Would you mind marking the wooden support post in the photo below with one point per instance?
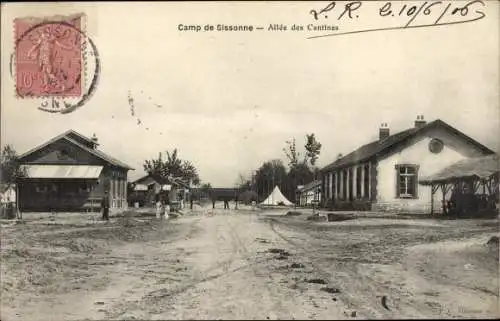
(432, 199)
(443, 201)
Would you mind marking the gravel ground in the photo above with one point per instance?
(220, 264)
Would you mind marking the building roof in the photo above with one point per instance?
(310, 185)
(478, 167)
(148, 180)
(95, 152)
(63, 171)
(380, 147)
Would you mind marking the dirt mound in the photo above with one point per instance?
(316, 281)
(493, 241)
(297, 266)
(336, 217)
(283, 255)
(317, 218)
(330, 290)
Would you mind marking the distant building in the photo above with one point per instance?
(7, 194)
(310, 193)
(69, 173)
(146, 188)
(384, 174)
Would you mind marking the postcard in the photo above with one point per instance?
(249, 160)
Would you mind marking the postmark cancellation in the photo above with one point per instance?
(49, 56)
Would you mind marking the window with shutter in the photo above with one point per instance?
(407, 181)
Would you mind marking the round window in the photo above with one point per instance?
(436, 146)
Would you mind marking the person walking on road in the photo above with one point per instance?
(105, 206)
(166, 208)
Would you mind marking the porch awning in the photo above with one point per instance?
(479, 167)
(63, 171)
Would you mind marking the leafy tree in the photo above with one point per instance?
(313, 148)
(10, 169)
(270, 174)
(171, 166)
(190, 172)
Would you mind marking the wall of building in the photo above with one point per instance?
(112, 178)
(115, 180)
(417, 152)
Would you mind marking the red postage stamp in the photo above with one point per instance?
(48, 55)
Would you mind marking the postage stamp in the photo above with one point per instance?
(48, 56)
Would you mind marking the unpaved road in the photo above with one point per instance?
(242, 265)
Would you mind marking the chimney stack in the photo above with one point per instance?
(94, 140)
(420, 121)
(383, 131)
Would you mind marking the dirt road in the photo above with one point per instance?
(233, 265)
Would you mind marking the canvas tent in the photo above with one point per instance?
(276, 198)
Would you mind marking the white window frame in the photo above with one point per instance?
(407, 176)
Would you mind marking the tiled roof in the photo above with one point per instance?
(377, 147)
(96, 152)
(481, 167)
(311, 185)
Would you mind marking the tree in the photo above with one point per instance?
(205, 190)
(291, 153)
(313, 148)
(270, 174)
(190, 172)
(243, 183)
(11, 171)
(162, 168)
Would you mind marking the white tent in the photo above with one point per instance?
(276, 197)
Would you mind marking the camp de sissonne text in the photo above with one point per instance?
(271, 27)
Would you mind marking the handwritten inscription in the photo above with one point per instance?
(432, 13)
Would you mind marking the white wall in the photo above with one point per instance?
(418, 153)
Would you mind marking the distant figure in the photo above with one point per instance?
(191, 203)
(253, 205)
(105, 206)
(236, 203)
(158, 205)
(166, 209)
(226, 204)
(213, 203)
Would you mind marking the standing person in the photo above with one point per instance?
(158, 205)
(166, 207)
(226, 204)
(213, 203)
(105, 206)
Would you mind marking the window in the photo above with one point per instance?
(84, 188)
(41, 188)
(436, 146)
(407, 181)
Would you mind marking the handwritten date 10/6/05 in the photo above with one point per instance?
(352, 9)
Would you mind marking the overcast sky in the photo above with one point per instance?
(231, 100)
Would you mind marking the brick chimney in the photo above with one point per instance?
(383, 131)
(94, 141)
(420, 121)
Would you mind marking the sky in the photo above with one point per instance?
(230, 100)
